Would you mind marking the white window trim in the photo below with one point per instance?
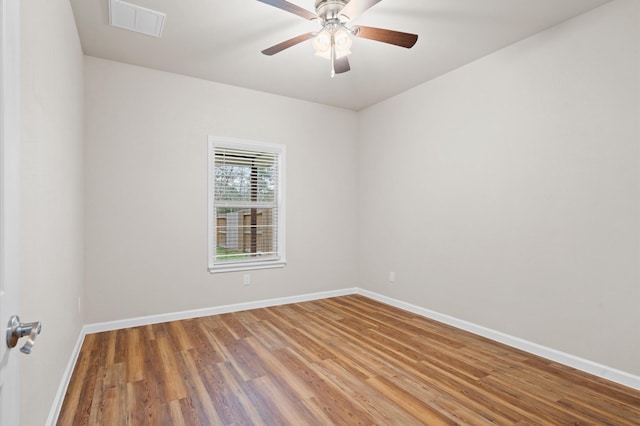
(216, 141)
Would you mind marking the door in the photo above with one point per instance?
(9, 203)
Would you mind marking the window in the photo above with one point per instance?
(246, 205)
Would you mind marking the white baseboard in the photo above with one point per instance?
(217, 310)
(569, 360)
(64, 383)
(578, 363)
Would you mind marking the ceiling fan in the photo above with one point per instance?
(333, 41)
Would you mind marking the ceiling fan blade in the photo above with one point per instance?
(290, 7)
(355, 8)
(287, 44)
(386, 36)
(342, 65)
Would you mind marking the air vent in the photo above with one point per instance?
(135, 18)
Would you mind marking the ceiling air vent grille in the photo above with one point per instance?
(135, 18)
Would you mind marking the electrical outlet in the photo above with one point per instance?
(392, 277)
(246, 280)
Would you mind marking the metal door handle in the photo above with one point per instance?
(17, 330)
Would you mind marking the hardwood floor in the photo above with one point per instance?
(347, 360)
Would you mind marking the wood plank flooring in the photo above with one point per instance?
(346, 361)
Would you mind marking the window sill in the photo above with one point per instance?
(215, 269)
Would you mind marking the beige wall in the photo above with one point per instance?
(506, 193)
(146, 191)
(51, 200)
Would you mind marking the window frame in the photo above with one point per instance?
(240, 265)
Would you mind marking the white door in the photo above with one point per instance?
(9, 203)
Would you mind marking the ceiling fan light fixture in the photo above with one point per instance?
(339, 39)
(343, 43)
(322, 44)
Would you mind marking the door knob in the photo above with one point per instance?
(17, 330)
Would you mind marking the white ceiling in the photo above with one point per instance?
(221, 40)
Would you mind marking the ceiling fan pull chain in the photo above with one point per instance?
(333, 55)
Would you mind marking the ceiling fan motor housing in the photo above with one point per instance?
(329, 10)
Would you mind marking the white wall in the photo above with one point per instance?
(506, 193)
(146, 191)
(51, 200)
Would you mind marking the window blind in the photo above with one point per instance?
(245, 201)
